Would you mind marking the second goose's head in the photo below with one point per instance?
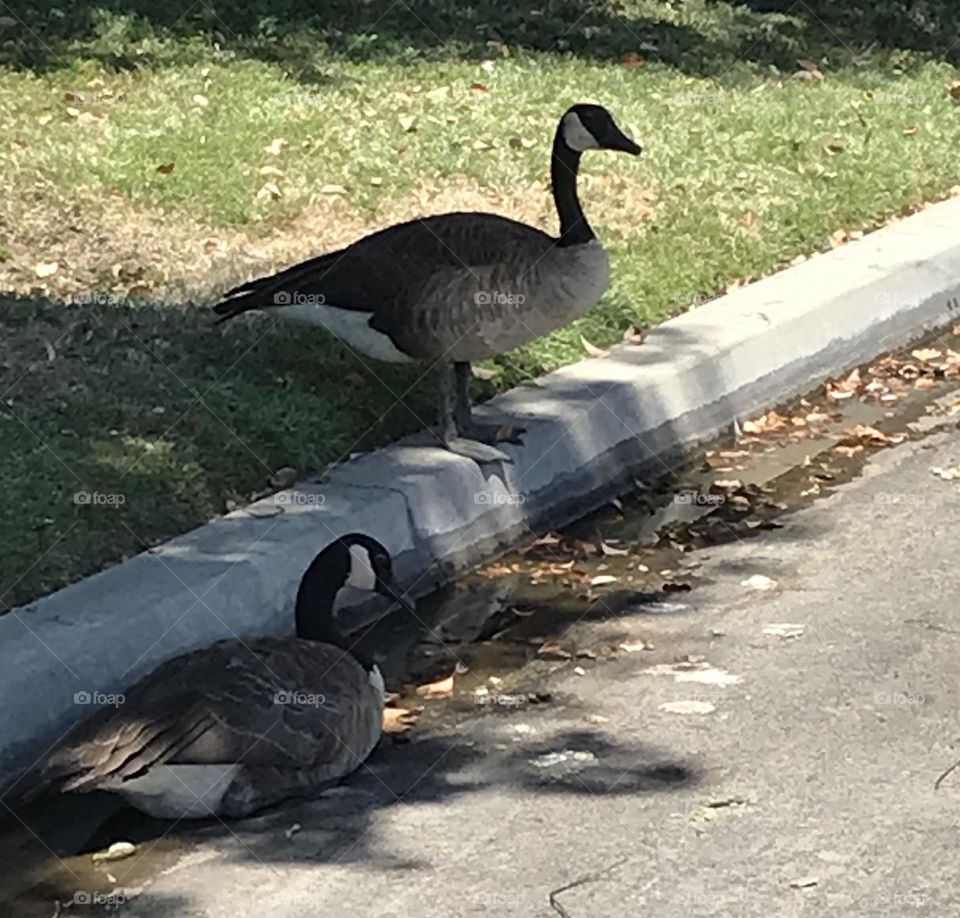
(353, 560)
(591, 127)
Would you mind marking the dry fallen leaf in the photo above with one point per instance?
(750, 221)
(848, 451)
(767, 422)
(949, 474)
(116, 852)
(442, 688)
(332, 189)
(688, 707)
(269, 191)
(784, 630)
(479, 87)
(635, 334)
(844, 388)
(482, 372)
(46, 268)
(603, 579)
(728, 484)
(610, 550)
(592, 349)
(804, 882)
(925, 354)
(634, 646)
(166, 168)
(276, 146)
(870, 436)
(399, 720)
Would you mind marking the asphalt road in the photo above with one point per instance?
(806, 789)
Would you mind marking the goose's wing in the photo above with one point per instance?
(387, 271)
(269, 702)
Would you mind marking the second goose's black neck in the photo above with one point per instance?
(564, 165)
(315, 616)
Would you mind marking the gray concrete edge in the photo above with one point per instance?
(591, 429)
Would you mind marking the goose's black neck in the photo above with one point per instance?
(315, 616)
(564, 165)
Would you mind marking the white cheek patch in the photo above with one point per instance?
(576, 136)
(361, 576)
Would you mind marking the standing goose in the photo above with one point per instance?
(237, 726)
(456, 288)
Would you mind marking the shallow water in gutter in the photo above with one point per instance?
(504, 628)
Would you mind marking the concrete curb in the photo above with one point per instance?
(591, 428)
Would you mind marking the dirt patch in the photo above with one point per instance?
(101, 242)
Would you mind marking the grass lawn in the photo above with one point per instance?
(154, 154)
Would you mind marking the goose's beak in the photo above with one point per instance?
(392, 591)
(619, 141)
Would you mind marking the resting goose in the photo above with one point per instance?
(456, 288)
(239, 725)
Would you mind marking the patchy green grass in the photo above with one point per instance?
(161, 152)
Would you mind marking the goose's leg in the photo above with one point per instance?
(449, 433)
(466, 425)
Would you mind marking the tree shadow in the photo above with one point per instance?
(173, 416)
(308, 42)
(929, 26)
(304, 39)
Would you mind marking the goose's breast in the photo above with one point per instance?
(534, 301)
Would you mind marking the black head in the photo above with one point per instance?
(354, 560)
(591, 127)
